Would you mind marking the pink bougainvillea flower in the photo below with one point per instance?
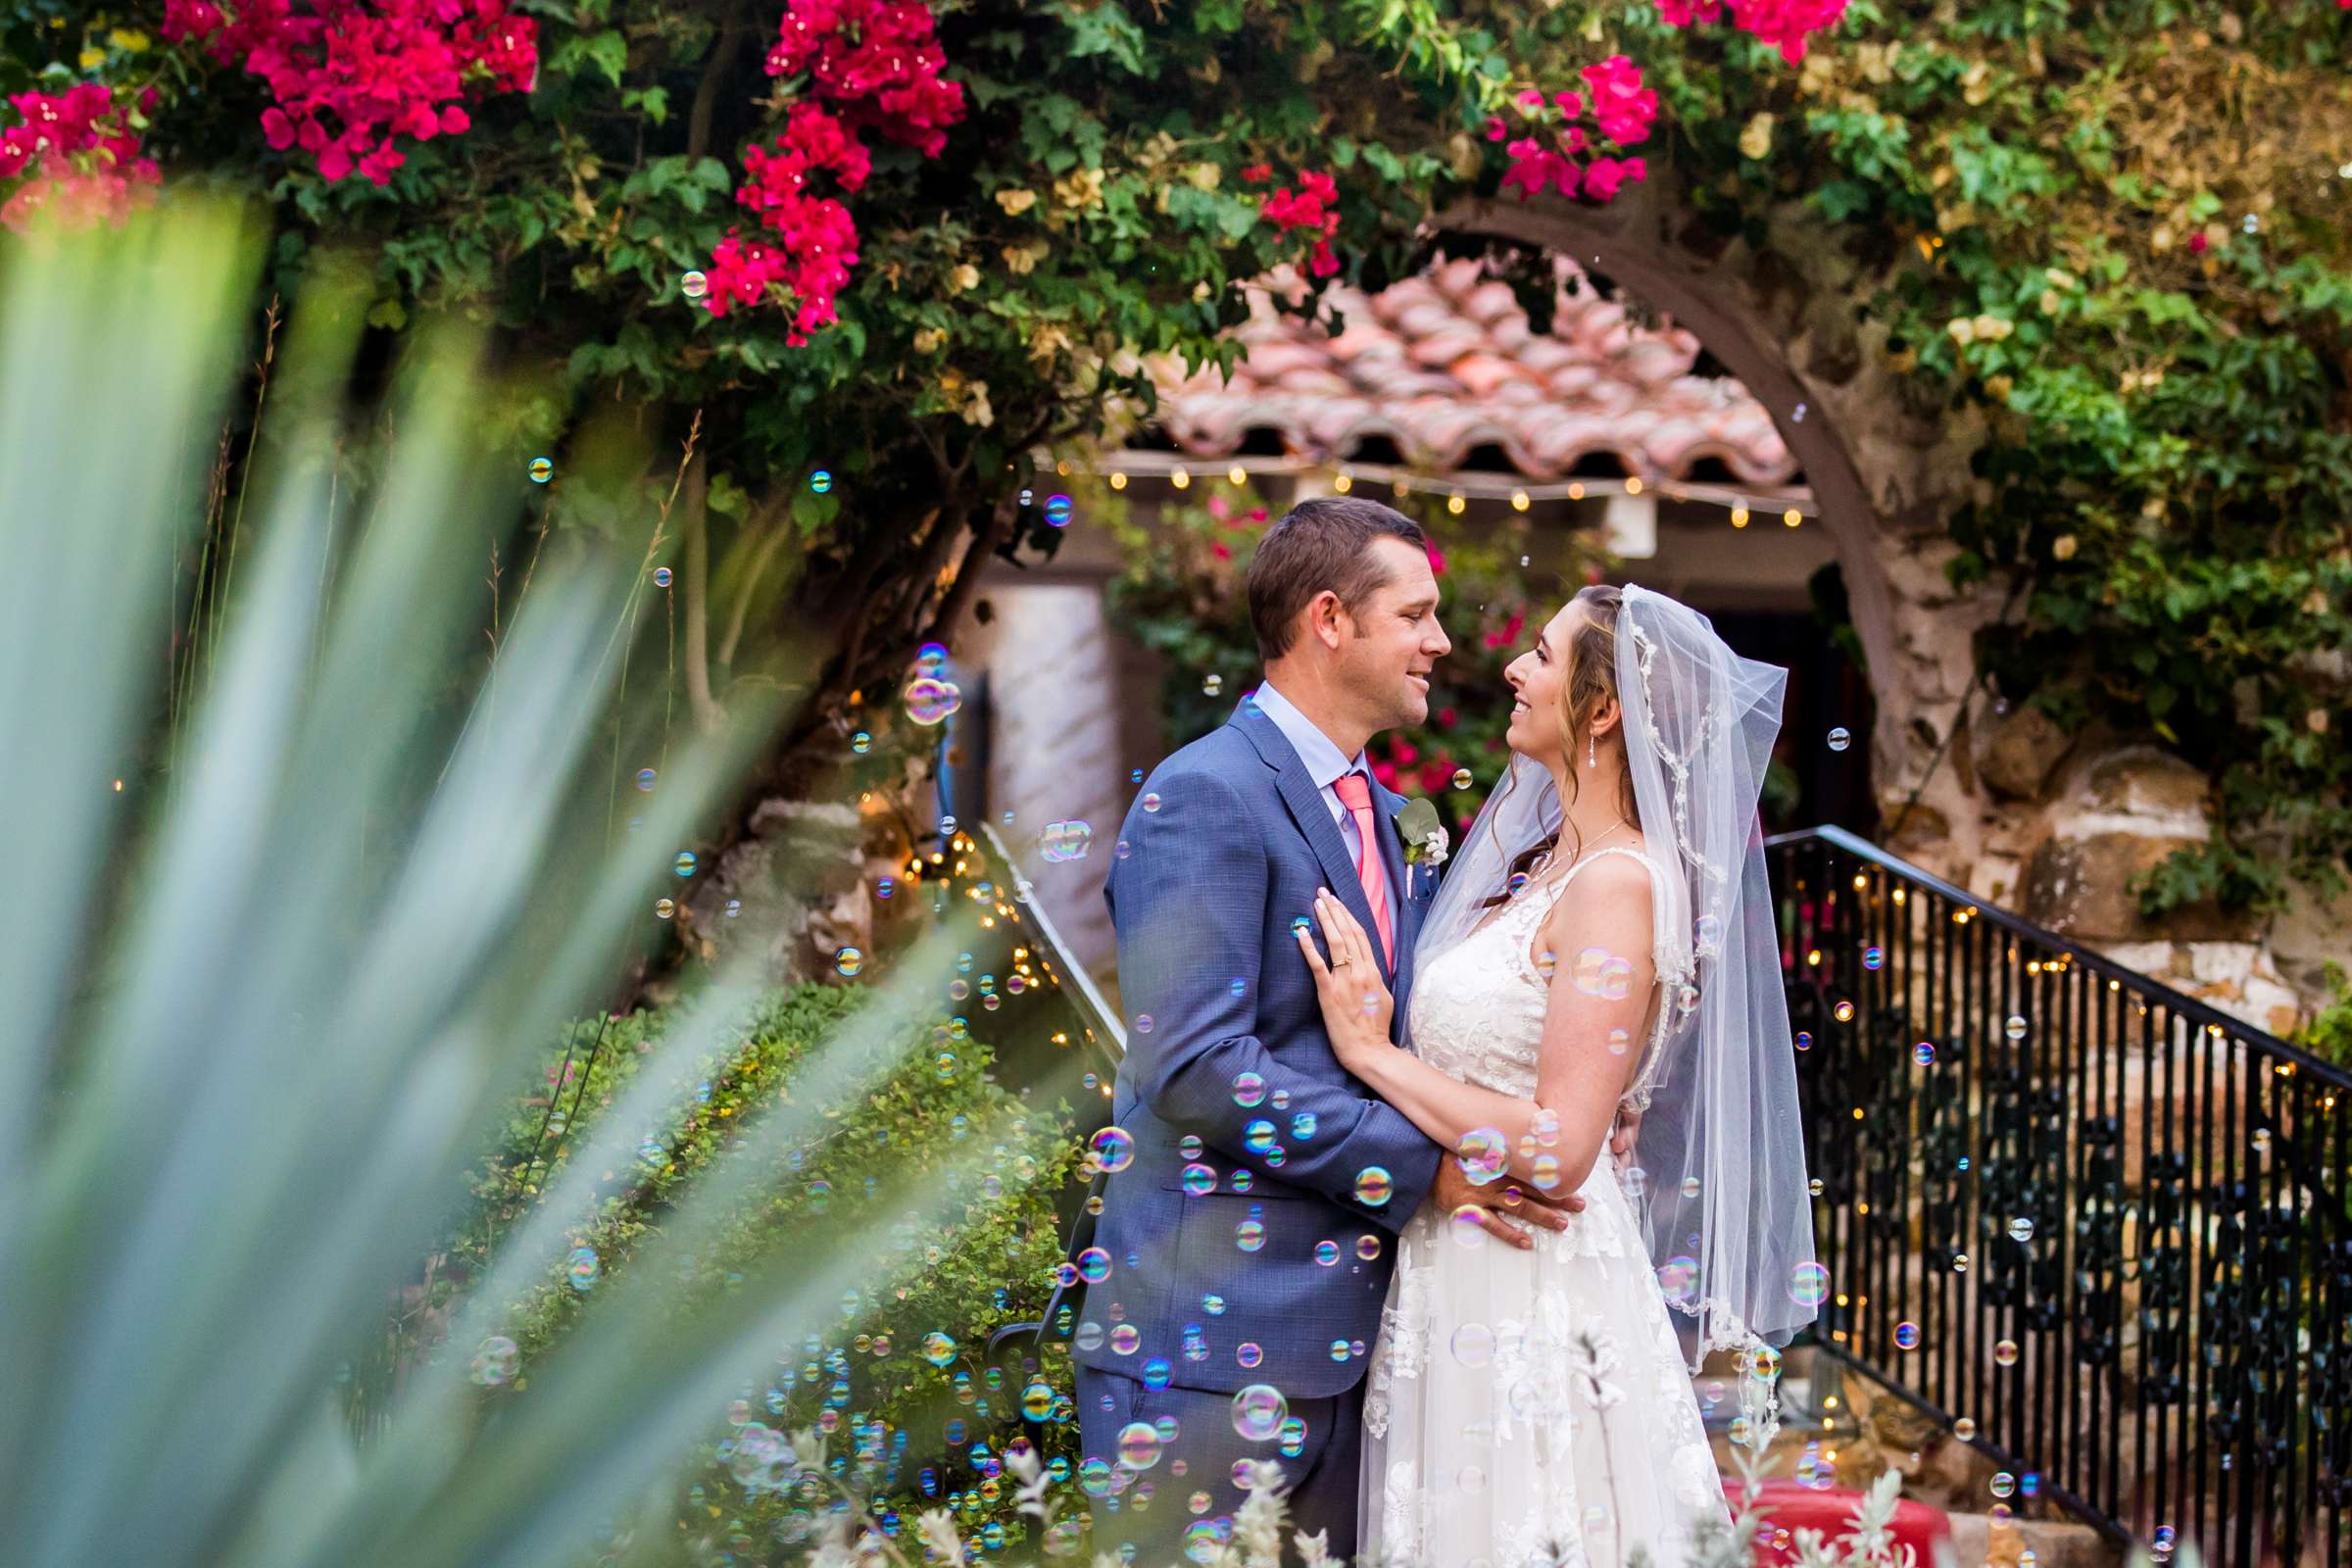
(1604, 175)
(1571, 104)
(1437, 561)
(347, 77)
(1256, 173)
(878, 61)
(1785, 25)
(75, 158)
(1622, 106)
(2196, 242)
(1496, 130)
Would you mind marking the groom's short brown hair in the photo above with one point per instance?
(1324, 542)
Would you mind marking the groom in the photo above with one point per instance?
(1251, 1238)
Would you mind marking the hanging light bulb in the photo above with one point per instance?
(1342, 482)
(1179, 479)
(1518, 500)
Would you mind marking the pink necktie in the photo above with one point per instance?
(1355, 794)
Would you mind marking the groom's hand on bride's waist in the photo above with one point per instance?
(1505, 1209)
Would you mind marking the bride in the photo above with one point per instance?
(1536, 1407)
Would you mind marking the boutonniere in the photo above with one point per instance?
(1423, 835)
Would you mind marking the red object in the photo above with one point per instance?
(1926, 1530)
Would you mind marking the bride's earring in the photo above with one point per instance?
(1592, 749)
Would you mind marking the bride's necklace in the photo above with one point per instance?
(1541, 861)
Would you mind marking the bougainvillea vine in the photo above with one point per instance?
(1544, 157)
(346, 77)
(75, 157)
(876, 67)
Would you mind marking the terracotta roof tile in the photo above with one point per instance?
(1444, 362)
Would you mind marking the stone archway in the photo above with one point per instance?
(1887, 474)
(2001, 802)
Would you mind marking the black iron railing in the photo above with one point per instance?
(2095, 1224)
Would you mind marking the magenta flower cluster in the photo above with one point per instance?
(75, 157)
(347, 77)
(1785, 25)
(1543, 156)
(874, 67)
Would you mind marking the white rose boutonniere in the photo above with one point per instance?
(1423, 835)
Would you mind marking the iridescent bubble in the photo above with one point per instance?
(943, 1065)
(1156, 1372)
(1150, 800)
(1094, 1265)
(1804, 1040)
(1200, 1179)
(1250, 1353)
(1678, 1280)
(1142, 1024)
(849, 961)
(1374, 1186)
(821, 480)
(861, 743)
(1874, 957)
(885, 886)
(1259, 1412)
(1965, 1429)
(495, 1361)
(1248, 1089)
(1765, 1365)
(938, 1348)
(1037, 1400)
(1840, 738)
(1258, 1135)
(1063, 841)
(1809, 1283)
(685, 863)
(930, 701)
(1213, 1306)
(1544, 1171)
(1483, 1155)
(1685, 999)
(2021, 1229)
(645, 778)
(1302, 1125)
(1906, 1336)
(2015, 1028)
(1620, 1041)
(1710, 934)
(664, 908)
(694, 285)
(1473, 1345)
(542, 471)
(1058, 511)
(1468, 1226)
(2003, 1484)
(1212, 684)
(2004, 1353)
(1249, 1235)
(1924, 1054)
(1126, 1338)
(1139, 1445)
(1367, 1246)
(1603, 974)
(1188, 1146)
(584, 1268)
(1844, 1013)
(1113, 1149)
(1462, 779)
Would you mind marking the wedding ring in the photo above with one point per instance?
(1339, 963)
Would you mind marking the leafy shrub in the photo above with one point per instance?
(916, 1420)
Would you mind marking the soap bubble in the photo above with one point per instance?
(1249, 1353)
(694, 285)
(938, 1348)
(1063, 842)
(1601, 973)
(1374, 1187)
(1249, 1235)
(1259, 1412)
(1844, 1013)
(583, 1268)
(849, 961)
(2015, 1028)
(2021, 1229)
(495, 1361)
(542, 471)
(2003, 1484)
(1126, 1338)
(1483, 1155)
(2004, 1353)
(930, 701)
(1924, 1054)
(1809, 1283)
(1874, 957)
(1840, 738)
(1139, 1445)
(1150, 800)
(1462, 778)
(861, 743)
(1058, 511)
(1212, 684)
(1964, 1428)
(1678, 1280)
(685, 863)
(1327, 1252)
(1142, 1024)
(662, 577)
(1113, 1149)
(1248, 1089)
(1804, 1040)
(1200, 1179)
(821, 480)
(645, 778)
(1094, 1265)
(1906, 1336)
(664, 908)
(1473, 1345)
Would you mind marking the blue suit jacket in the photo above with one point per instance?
(1258, 1238)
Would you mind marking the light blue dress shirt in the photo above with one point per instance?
(1325, 764)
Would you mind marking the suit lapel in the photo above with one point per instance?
(1308, 810)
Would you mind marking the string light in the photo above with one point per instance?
(1460, 489)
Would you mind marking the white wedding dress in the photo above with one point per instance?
(1526, 1408)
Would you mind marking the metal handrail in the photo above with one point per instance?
(2099, 1218)
(2180, 1001)
(1106, 1025)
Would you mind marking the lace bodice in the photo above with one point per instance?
(1477, 1011)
